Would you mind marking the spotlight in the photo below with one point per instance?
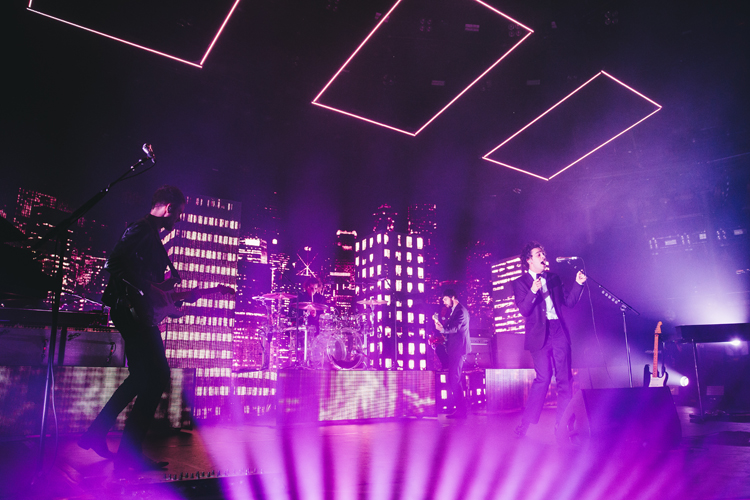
(735, 342)
(684, 381)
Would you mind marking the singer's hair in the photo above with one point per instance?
(450, 293)
(526, 253)
(166, 195)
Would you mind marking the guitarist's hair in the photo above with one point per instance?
(167, 195)
(526, 253)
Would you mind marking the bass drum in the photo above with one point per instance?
(345, 350)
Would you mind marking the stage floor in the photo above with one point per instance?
(476, 458)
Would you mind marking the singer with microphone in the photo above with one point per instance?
(539, 296)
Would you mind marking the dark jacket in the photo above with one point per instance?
(456, 329)
(532, 306)
(137, 260)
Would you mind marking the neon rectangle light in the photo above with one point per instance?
(593, 115)
(33, 7)
(324, 100)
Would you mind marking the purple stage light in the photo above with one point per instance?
(537, 174)
(440, 83)
(141, 46)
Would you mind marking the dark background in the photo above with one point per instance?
(78, 107)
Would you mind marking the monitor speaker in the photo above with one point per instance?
(639, 416)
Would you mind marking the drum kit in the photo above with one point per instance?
(310, 335)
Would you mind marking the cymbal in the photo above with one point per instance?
(312, 306)
(371, 302)
(278, 295)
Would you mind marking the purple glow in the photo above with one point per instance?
(658, 107)
(382, 20)
(147, 49)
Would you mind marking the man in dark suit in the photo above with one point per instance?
(540, 296)
(136, 265)
(457, 345)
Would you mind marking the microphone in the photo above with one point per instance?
(565, 259)
(149, 152)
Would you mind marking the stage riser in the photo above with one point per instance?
(326, 396)
(80, 392)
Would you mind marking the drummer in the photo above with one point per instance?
(312, 293)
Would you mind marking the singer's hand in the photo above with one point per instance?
(536, 285)
(580, 278)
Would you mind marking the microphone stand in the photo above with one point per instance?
(624, 307)
(60, 234)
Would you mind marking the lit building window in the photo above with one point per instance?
(379, 238)
(409, 270)
(408, 256)
(398, 270)
(423, 363)
(387, 253)
(398, 285)
(356, 247)
(410, 318)
(420, 287)
(385, 239)
(409, 286)
(420, 243)
(398, 256)
(371, 241)
(372, 257)
(372, 271)
(399, 316)
(421, 318)
(411, 364)
(356, 260)
(408, 242)
(422, 348)
(379, 269)
(420, 273)
(364, 244)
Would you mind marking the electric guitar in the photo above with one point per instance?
(651, 378)
(171, 300)
(437, 338)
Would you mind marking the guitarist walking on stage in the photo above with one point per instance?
(138, 265)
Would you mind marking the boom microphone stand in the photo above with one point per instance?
(624, 307)
(60, 234)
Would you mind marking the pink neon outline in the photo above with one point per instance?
(213, 42)
(315, 101)
(147, 49)
(658, 108)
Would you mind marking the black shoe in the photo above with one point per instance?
(141, 463)
(457, 414)
(520, 431)
(89, 441)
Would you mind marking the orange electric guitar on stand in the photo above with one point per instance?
(651, 378)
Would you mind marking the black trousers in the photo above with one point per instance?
(455, 376)
(552, 359)
(148, 379)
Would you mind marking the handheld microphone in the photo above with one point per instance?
(149, 152)
(565, 259)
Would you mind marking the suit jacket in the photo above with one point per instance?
(531, 306)
(456, 329)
